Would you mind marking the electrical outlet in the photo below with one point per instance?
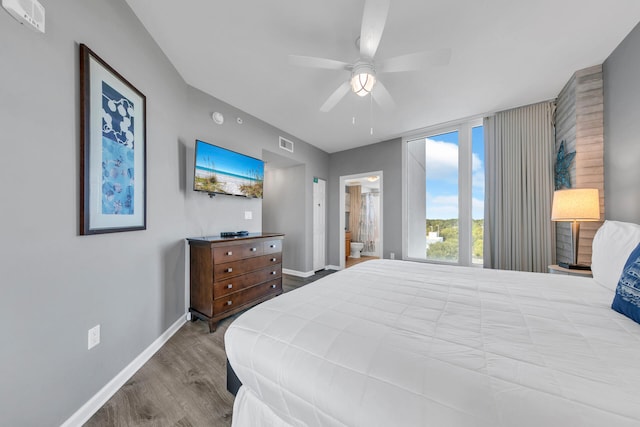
(248, 215)
(392, 255)
(93, 337)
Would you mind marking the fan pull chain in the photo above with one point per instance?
(371, 113)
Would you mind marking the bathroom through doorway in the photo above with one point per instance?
(360, 217)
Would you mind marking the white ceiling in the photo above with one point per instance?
(505, 53)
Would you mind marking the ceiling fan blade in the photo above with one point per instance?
(382, 96)
(313, 62)
(373, 20)
(335, 97)
(415, 61)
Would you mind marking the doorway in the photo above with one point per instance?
(361, 222)
(319, 224)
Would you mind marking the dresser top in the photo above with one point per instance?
(213, 239)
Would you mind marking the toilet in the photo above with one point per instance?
(356, 247)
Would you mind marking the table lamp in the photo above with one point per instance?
(573, 205)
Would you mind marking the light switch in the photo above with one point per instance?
(248, 215)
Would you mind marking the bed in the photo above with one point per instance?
(397, 343)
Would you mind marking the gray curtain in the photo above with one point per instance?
(519, 156)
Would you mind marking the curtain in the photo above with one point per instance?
(369, 221)
(519, 153)
(355, 203)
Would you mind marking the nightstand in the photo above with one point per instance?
(556, 269)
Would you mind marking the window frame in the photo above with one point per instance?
(465, 187)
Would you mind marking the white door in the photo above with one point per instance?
(319, 224)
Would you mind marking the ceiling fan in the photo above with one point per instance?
(364, 71)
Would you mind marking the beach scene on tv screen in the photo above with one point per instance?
(222, 171)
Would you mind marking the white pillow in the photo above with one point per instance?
(612, 245)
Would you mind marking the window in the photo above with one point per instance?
(444, 194)
(477, 193)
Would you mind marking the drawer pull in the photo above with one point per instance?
(229, 302)
(229, 286)
(274, 273)
(274, 259)
(229, 253)
(254, 249)
(228, 270)
(273, 286)
(272, 246)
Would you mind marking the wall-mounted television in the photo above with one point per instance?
(222, 171)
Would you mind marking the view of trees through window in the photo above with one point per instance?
(477, 194)
(447, 249)
(443, 193)
(441, 170)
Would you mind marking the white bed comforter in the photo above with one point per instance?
(393, 343)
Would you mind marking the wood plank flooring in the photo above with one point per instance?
(353, 261)
(184, 383)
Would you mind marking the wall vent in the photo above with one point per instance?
(287, 145)
(28, 12)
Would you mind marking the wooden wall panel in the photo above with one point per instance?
(566, 131)
(580, 122)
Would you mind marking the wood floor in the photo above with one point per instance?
(184, 383)
(353, 261)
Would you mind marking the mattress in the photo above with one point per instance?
(397, 343)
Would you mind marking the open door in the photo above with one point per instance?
(319, 224)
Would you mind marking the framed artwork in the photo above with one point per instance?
(112, 149)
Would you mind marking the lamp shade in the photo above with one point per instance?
(576, 204)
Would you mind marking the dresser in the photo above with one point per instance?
(228, 275)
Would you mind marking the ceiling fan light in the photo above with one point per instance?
(362, 83)
(363, 78)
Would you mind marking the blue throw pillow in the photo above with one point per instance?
(627, 299)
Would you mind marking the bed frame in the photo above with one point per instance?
(233, 382)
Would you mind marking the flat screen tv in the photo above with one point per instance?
(222, 171)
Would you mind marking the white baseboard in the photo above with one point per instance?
(333, 267)
(298, 273)
(87, 410)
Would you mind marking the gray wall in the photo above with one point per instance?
(57, 284)
(284, 212)
(621, 130)
(387, 157)
(255, 138)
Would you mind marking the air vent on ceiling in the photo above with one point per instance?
(287, 145)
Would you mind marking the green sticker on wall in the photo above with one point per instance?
(315, 179)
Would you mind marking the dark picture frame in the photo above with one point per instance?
(113, 142)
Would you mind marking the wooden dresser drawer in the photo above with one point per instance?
(228, 275)
(238, 299)
(272, 246)
(229, 253)
(238, 283)
(236, 268)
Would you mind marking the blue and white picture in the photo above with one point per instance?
(113, 150)
(117, 153)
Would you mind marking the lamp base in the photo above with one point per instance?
(574, 266)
